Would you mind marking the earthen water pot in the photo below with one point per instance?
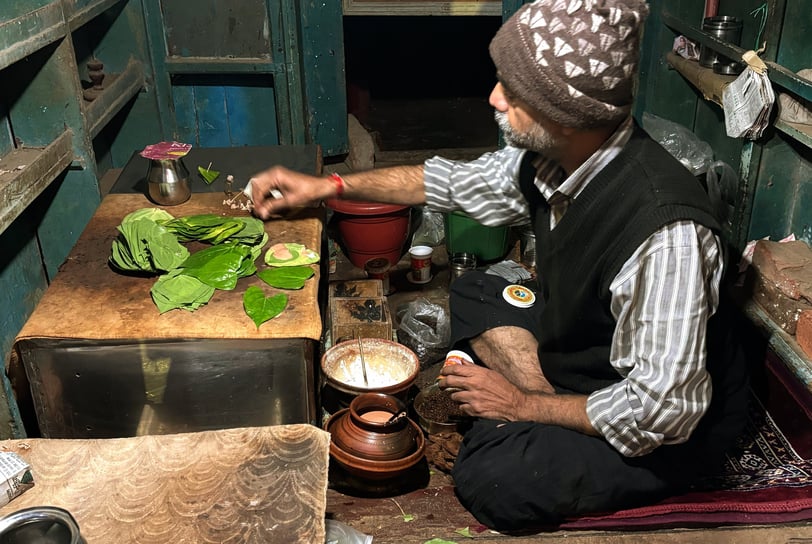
(343, 426)
(375, 427)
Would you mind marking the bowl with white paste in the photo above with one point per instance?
(391, 367)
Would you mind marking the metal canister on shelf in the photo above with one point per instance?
(725, 28)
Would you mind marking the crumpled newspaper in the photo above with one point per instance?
(16, 476)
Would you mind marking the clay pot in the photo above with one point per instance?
(368, 429)
(371, 230)
(366, 444)
(391, 367)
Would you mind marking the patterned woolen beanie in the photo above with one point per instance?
(574, 61)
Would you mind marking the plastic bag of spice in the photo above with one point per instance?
(425, 328)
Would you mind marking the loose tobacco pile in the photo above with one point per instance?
(151, 240)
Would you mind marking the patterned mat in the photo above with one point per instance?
(767, 478)
(764, 459)
(233, 486)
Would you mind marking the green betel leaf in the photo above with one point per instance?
(286, 278)
(176, 290)
(218, 266)
(153, 214)
(208, 175)
(146, 246)
(207, 227)
(261, 308)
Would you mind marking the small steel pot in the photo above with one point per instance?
(168, 182)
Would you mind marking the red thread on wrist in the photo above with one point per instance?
(339, 183)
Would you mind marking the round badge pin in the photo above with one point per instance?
(519, 296)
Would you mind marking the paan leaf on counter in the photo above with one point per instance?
(292, 277)
(261, 308)
(150, 240)
(175, 290)
(217, 229)
(144, 245)
(153, 214)
(220, 266)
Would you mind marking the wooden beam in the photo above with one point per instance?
(26, 172)
(21, 36)
(118, 90)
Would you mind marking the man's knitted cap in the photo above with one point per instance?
(574, 61)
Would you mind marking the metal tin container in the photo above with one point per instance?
(459, 264)
(728, 29)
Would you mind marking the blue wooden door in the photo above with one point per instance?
(250, 72)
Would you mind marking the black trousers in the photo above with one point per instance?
(524, 475)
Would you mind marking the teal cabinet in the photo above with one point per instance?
(55, 144)
(776, 170)
(86, 83)
(774, 193)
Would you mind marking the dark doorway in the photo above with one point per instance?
(422, 82)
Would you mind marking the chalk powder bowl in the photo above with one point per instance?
(391, 367)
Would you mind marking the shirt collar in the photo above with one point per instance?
(550, 177)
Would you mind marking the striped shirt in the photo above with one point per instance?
(662, 297)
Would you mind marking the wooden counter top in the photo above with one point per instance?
(89, 300)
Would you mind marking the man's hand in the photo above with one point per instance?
(486, 393)
(483, 392)
(278, 189)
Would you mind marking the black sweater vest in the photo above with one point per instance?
(641, 190)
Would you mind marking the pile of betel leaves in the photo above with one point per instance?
(150, 241)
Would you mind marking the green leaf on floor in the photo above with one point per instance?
(439, 541)
(465, 531)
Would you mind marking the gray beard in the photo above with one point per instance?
(536, 139)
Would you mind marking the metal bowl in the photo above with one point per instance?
(424, 418)
(40, 524)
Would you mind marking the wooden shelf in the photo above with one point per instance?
(90, 12)
(26, 34)
(705, 80)
(118, 90)
(802, 133)
(25, 172)
(778, 74)
(220, 65)
(711, 85)
(783, 344)
(421, 7)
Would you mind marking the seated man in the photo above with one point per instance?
(618, 387)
